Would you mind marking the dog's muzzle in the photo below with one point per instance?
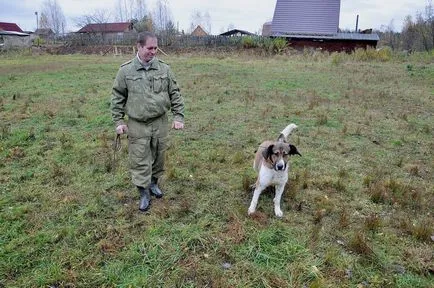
(280, 165)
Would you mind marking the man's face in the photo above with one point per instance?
(147, 51)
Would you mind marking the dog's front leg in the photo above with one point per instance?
(277, 198)
(258, 190)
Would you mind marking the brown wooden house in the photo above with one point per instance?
(315, 23)
(109, 32)
(199, 31)
(45, 33)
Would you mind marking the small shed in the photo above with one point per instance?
(236, 32)
(199, 31)
(45, 33)
(14, 40)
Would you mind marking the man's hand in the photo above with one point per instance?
(177, 125)
(121, 129)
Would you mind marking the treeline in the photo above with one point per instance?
(417, 33)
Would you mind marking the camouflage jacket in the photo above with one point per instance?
(145, 94)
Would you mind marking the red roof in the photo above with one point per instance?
(10, 27)
(107, 27)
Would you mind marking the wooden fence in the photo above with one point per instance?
(184, 41)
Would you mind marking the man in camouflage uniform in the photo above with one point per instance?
(145, 89)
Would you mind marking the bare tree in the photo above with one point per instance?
(163, 22)
(43, 21)
(207, 21)
(416, 35)
(162, 15)
(127, 10)
(119, 16)
(423, 31)
(54, 16)
(122, 11)
(390, 38)
(409, 34)
(195, 18)
(140, 9)
(97, 16)
(202, 19)
(429, 14)
(423, 28)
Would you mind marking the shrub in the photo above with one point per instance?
(279, 44)
(38, 41)
(370, 54)
(384, 54)
(267, 44)
(337, 58)
(249, 42)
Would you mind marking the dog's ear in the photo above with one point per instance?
(267, 152)
(293, 150)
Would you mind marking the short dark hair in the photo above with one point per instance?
(143, 36)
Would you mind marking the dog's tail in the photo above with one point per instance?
(286, 132)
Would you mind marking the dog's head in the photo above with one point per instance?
(277, 154)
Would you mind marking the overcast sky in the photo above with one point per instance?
(242, 14)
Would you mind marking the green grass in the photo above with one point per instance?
(357, 210)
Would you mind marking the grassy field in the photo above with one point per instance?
(358, 210)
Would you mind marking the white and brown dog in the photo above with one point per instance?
(271, 163)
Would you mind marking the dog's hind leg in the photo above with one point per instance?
(258, 190)
(277, 198)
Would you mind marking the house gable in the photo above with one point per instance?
(199, 31)
(317, 17)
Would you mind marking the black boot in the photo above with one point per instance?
(145, 198)
(155, 190)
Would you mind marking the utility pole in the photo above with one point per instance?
(357, 23)
(37, 20)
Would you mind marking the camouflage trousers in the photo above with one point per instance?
(147, 144)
